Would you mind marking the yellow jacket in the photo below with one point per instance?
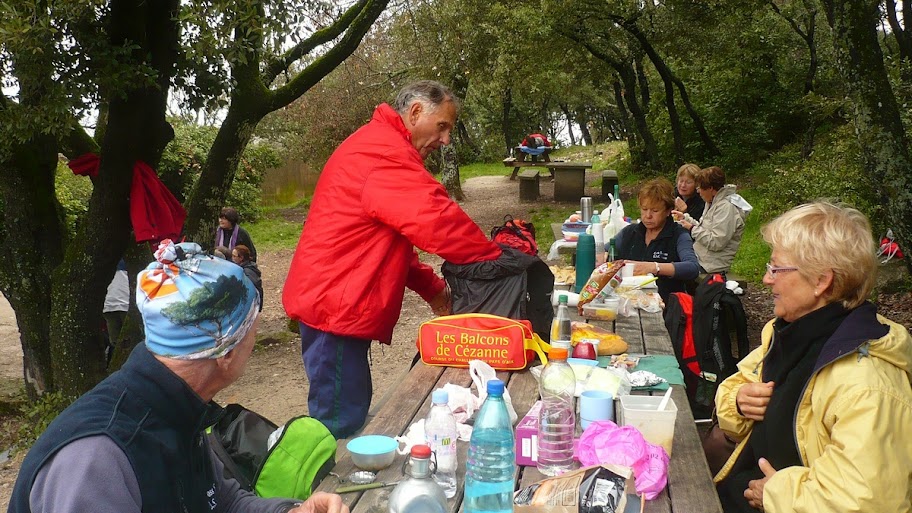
(851, 423)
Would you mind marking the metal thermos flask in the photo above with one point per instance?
(586, 208)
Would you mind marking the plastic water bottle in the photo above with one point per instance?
(598, 232)
(418, 493)
(585, 259)
(611, 255)
(440, 432)
(557, 420)
(560, 326)
(492, 457)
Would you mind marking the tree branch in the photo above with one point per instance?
(283, 62)
(312, 74)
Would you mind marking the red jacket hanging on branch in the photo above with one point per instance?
(154, 212)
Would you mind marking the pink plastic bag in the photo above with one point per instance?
(606, 442)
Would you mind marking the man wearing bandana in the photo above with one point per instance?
(136, 442)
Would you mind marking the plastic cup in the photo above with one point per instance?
(595, 405)
(657, 427)
(627, 271)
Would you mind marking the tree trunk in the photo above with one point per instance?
(876, 114)
(649, 149)
(667, 75)
(583, 119)
(902, 35)
(629, 131)
(449, 172)
(506, 107)
(642, 82)
(136, 130)
(31, 228)
(566, 111)
(212, 188)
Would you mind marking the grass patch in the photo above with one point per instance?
(272, 231)
(482, 169)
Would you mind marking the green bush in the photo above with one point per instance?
(834, 172)
(73, 193)
(37, 416)
(183, 160)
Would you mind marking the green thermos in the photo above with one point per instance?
(585, 259)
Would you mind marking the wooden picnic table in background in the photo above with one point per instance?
(569, 177)
(690, 488)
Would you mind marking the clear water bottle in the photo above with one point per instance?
(418, 493)
(560, 326)
(557, 420)
(492, 457)
(440, 432)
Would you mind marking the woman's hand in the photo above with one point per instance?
(753, 398)
(754, 492)
(680, 204)
(640, 268)
(678, 215)
(322, 502)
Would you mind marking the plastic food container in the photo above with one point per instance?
(605, 310)
(372, 452)
(656, 426)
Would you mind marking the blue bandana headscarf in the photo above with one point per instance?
(194, 306)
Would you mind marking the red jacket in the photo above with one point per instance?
(374, 202)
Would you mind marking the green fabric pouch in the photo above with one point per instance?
(304, 454)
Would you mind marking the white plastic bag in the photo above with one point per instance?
(741, 203)
(614, 213)
(481, 373)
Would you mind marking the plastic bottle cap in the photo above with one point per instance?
(562, 298)
(440, 396)
(421, 451)
(495, 386)
(558, 352)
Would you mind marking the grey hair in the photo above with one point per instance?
(429, 93)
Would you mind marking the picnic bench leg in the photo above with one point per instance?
(513, 176)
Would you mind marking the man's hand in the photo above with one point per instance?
(754, 492)
(680, 204)
(440, 303)
(322, 502)
(753, 398)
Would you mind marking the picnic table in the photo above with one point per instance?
(569, 177)
(690, 488)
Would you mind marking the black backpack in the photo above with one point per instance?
(717, 320)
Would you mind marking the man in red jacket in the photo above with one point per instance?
(374, 203)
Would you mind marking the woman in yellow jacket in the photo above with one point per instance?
(824, 407)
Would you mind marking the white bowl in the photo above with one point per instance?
(372, 452)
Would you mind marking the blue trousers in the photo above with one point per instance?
(340, 379)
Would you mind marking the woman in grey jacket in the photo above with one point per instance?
(718, 233)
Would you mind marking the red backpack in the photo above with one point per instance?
(516, 233)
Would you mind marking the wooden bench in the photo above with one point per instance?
(529, 185)
(609, 181)
(569, 177)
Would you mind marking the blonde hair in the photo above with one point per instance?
(657, 191)
(823, 236)
(688, 170)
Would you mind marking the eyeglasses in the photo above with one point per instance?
(773, 270)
